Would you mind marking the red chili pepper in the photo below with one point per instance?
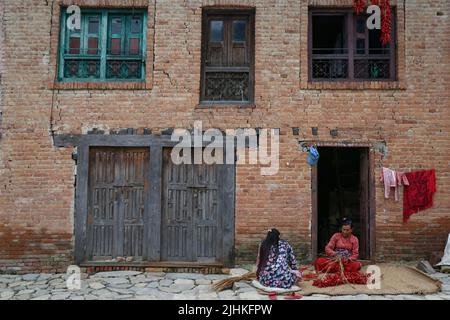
(359, 6)
(335, 279)
(385, 8)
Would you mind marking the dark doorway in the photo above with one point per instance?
(343, 191)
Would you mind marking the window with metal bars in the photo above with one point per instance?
(227, 56)
(341, 48)
(109, 46)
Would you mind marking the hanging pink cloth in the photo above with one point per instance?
(393, 179)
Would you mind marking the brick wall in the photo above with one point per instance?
(412, 116)
(2, 49)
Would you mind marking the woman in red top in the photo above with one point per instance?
(343, 244)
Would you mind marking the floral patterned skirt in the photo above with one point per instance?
(277, 279)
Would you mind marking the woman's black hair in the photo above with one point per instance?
(347, 222)
(272, 238)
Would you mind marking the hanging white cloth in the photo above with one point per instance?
(445, 261)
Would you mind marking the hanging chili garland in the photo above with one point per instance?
(359, 6)
(385, 8)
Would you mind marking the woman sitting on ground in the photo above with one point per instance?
(344, 245)
(276, 262)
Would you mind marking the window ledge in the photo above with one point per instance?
(100, 85)
(219, 105)
(354, 85)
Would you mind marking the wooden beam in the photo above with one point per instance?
(154, 207)
(66, 140)
(81, 198)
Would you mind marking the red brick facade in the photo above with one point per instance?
(411, 115)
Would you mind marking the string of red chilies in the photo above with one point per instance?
(386, 12)
(335, 279)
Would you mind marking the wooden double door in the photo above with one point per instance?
(193, 198)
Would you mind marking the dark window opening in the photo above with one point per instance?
(329, 35)
(343, 48)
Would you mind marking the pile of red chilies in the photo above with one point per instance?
(335, 279)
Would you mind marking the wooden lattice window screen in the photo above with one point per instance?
(109, 46)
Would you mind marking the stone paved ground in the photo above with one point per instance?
(131, 285)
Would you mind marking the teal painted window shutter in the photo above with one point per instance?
(109, 46)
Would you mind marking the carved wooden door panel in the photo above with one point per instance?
(191, 221)
(116, 200)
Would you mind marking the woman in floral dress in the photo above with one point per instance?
(276, 262)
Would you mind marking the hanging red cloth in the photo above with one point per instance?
(419, 194)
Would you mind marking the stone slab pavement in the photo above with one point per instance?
(134, 285)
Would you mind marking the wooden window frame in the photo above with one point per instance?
(351, 56)
(228, 15)
(103, 37)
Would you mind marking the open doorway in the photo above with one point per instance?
(341, 184)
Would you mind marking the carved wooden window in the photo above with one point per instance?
(341, 47)
(227, 56)
(109, 46)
